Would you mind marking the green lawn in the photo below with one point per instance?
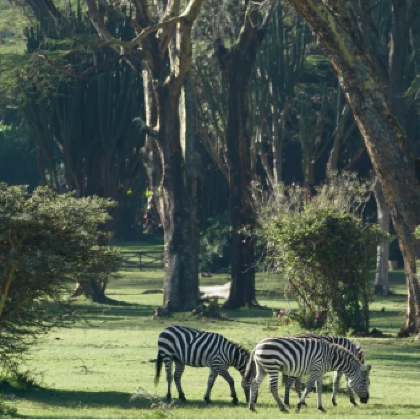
(93, 370)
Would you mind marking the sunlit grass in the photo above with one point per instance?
(93, 369)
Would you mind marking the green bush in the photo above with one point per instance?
(214, 253)
(48, 241)
(323, 249)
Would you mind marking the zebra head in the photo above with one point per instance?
(359, 381)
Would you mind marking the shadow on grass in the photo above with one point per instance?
(387, 407)
(82, 399)
(103, 312)
(111, 399)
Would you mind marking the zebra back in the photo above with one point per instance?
(193, 347)
(296, 355)
(352, 345)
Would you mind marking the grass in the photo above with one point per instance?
(94, 369)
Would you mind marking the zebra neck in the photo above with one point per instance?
(341, 361)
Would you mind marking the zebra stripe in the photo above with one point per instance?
(299, 356)
(352, 346)
(191, 347)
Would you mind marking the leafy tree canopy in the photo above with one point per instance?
(47, 240)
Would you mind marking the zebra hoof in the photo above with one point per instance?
(207, 400)
(182, 398)
(322, 409)
(235, 401)
(284, 410)
(333, 402)
(253, 409)
(354, 403)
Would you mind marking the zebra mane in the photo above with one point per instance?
(240, 348)
(352, 356)
(331, 344)
(359, 349)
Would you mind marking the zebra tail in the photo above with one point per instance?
(159, 361)
(248, 371)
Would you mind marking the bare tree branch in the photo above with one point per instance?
(144, 128)
(183, 50)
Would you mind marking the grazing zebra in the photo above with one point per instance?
(298, 356)
(352, 346)
(188, 346)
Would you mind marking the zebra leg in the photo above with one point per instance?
(274, 388)
(288, 385)
(226, 376)
(212, 377)
(319, 394)
(256, 382)
(179, 370)
(298, 387)
(168, 368)
(336, 383)
(351, 396)
(309, 385)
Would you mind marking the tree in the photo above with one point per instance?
(236, 63)
(47, 242)
(323, 248)
(82, 122)
(164, 61)
(355, 62)
(161, 53)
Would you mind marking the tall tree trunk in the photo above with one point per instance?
(381, 278)
(177, 202)
(236, 64)
(340, 36)
(238, 143)
(397, 56)
(332, 164)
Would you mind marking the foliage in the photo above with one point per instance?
(323, 249)
(214, 253)
(47, 240)
(18, 381)
(17, 160)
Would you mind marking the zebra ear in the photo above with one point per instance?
(365, 368)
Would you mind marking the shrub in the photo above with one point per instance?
(48, 241)
(215, 245)
(324, 250)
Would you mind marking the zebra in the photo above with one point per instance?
(298, 356)
(191, 347)
(352, 346)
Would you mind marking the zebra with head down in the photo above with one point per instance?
(352, 346)
(190, 347)
(298, 356)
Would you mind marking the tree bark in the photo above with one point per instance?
(339, 33)
(177, 204)
(381, 277)
(169, 158)
(332, 164)
(397, 56)
(236, 64)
